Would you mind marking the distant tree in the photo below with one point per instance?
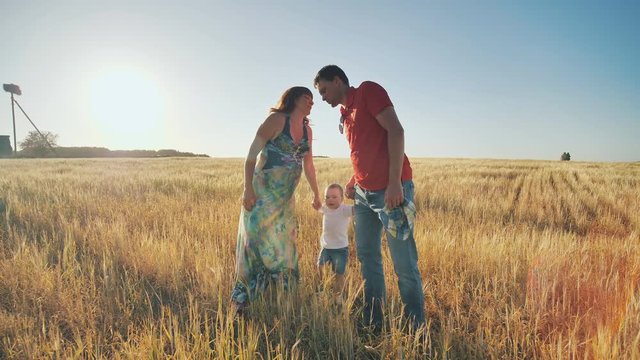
(82, 152)
(565, 156)
(167, 153)
(36, 145)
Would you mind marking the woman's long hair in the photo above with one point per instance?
(287, 101)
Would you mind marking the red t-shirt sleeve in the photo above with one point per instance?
(376, 98)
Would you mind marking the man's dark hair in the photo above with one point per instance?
(328, 73)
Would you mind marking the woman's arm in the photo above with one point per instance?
(310, 172)
(269, 129)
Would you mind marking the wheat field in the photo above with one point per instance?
(132, 259)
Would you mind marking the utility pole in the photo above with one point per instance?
(13, 115)
(13, 89)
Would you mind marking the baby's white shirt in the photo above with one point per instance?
(335, 226)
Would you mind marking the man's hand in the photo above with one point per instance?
(393, 195)
(350, 191)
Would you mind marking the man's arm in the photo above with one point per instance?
(388, 119)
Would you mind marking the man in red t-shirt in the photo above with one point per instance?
(382, 188)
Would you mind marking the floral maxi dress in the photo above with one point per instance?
(265, 249)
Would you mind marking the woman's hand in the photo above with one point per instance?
(317, 203)
(248, 199)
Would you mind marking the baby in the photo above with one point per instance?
(334, 242)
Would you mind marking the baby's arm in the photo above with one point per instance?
(350, 210)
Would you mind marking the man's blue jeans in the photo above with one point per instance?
(368, 233)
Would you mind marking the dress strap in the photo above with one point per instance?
(286, 129)
(304, 130)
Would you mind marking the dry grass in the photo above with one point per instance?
(135, 259)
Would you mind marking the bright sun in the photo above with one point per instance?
(126, 104)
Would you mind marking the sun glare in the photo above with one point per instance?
(127, 105)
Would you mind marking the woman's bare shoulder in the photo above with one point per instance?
(274, 120)
(272, 126)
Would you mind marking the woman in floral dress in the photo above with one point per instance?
(266, 249)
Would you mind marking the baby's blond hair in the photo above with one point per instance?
(335, 186)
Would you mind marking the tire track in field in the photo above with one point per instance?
(547, 190)
(552, 182)
(535, 198)
(583, 190)
(553, 206)
(598, 205)
(595, 206)
(579, 191)
(509, 216)
(568, 221)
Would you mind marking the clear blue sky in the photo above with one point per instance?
(476, 79)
